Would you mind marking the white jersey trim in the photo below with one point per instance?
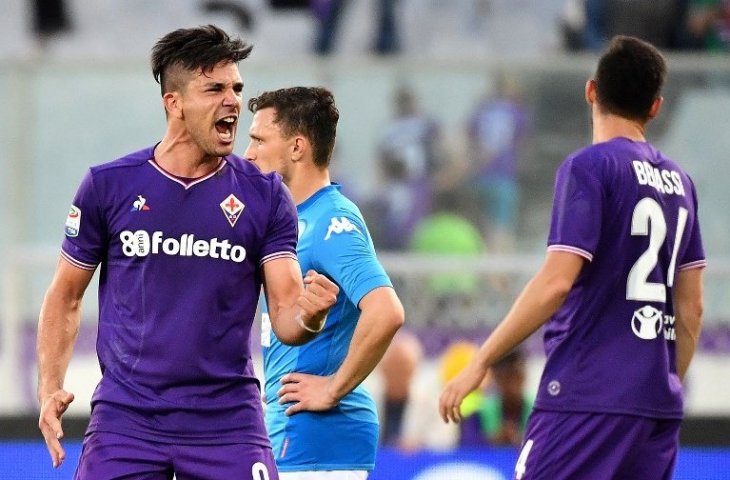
(78, 263)
(696, 264)
(185, 185)
(274, 256)
(567, 248)
(324, 475)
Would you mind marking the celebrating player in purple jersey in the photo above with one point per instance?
(186, 233)
(620, 290)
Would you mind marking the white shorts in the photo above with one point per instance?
(325, 475)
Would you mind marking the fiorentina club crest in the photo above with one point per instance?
(232, 207)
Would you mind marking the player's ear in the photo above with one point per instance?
(173, 104)
(656, 106)
(590, 92)
(299, 147)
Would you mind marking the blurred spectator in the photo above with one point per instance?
(660, 22)
(497, 415)
(573, 24)
(409, 152)
(449, 234)
(50, 18)
(329, 13)
(708, 24)
(397, 368)
(497, 131)
(241, 13)
(289, 4)
(387, 35)
(422, 427)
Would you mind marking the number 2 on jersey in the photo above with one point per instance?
(648, 219)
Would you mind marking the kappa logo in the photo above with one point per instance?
(232, 208)
(140, 205)
(339, 225)
(73, 222)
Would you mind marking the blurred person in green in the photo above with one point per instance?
(449, 234)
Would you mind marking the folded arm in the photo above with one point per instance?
(382, 315)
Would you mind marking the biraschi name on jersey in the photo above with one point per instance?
(140, 244)
(664, 181)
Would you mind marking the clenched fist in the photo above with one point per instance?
(320, 293)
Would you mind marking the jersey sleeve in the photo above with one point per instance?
(86, 239)
(694, 254)
(281, 232)
(343, 251)
(577, 208)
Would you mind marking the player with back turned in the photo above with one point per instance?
(185, 234)
(620, 290)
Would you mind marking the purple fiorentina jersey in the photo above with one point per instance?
(178, 288)
(632, 213)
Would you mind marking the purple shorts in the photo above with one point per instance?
(109, 456)
(597, 446)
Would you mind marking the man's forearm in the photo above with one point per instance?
(688, 332)
(289, 325)
(688, 313)
(365, 352)
(58, 328)
(540, 299)
(381, 317)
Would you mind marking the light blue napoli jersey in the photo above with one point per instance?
(333, 240)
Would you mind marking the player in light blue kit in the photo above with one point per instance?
(321, 421)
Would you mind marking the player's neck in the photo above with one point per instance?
(607, 127)
(184, 159)
(307, 181)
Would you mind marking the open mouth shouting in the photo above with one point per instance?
(226, 128)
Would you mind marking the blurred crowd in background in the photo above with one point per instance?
(573, 24)
(431, 191)
(431, 194)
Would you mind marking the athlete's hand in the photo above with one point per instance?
(320, 293)
(457, 389)
(53, 407)
(307, 392)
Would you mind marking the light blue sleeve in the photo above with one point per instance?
(344, 252)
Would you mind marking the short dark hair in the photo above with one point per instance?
(201, 47)
(309, 111)
(629, 77)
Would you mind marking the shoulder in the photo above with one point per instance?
(247, 174)
(585, 155)
(591, 160)
(333, 214)
(132, 160)
(333, 204)
(247, 169)
(342, 203)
